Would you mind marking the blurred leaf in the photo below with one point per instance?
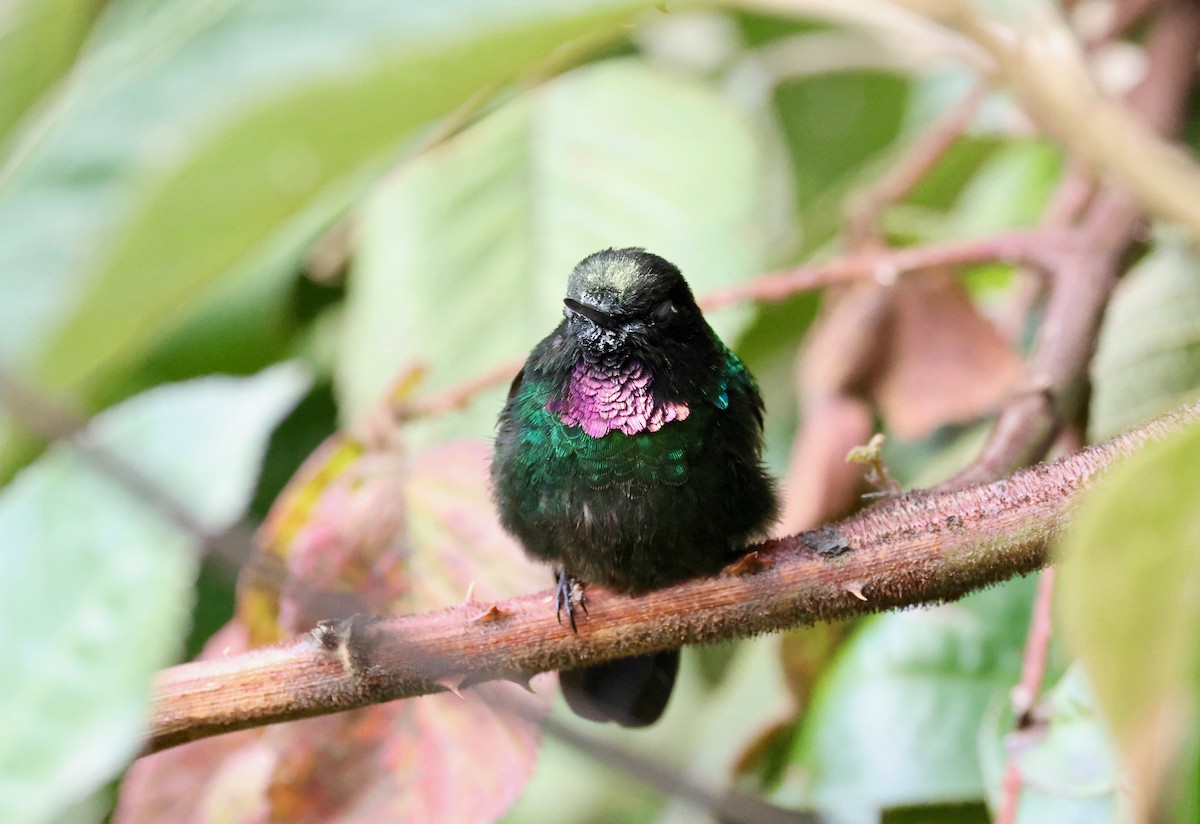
(442, 758)
(760, 28)
(597, 792)
(700, 736)
(215, 597)
(195, 141)
(38, 41)
(362, 532)
(1148, 357)
(99, 580)
(749, 700)
(967, 813)
(980, 187)
(465, 252)
(917, 354)
(300, 434)
(414, 536)
(297, 523)
(941, 188)
(945, 362)
(237, 324)
(206, 780)
(1010, 190)
(929, 461)
(1130, 600)
(805, 653)
(895, 721)
(836, 124)
(1066, 758)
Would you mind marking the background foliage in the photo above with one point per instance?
(232, 227)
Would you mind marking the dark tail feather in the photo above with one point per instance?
(631, 691)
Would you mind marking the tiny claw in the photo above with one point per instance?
(568, 592)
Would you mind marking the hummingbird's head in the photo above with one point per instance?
(624, 300)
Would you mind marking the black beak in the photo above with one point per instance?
(591, 313)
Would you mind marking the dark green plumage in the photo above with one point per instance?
(628, 454)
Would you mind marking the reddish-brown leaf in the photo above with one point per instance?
(917, 353)
(439, 758)
(216, 779)
(365, 532)
(820, 485)
(945, 362)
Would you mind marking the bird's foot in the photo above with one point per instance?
(568, 593)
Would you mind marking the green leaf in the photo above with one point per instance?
(436, 505)
(465, 253)
(716, 730)
(96, 581)
(38, 40)
(1148, 357)
(895, 721)
(836, 124)
(1067, 758)
(193, 142)
(1009, 190)
(1130, 603)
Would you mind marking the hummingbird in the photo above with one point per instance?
(629, 455)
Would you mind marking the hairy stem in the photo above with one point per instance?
(918, 548)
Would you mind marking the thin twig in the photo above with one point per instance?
(1036, 247)
(1025, 695)
(863, 216)
(53, 421)
(731, 807)
(913, 549)
(458, 396)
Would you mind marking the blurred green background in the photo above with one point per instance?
(320, 196)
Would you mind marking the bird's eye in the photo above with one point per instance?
(664, 311)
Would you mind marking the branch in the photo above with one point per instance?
(1037, 247)
(918, 548)
(1048, 75)
(1083, 281)
(1025, 694)
(1040, 248)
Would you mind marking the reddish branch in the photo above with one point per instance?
(1083, 280)
(1039, 248)
(914, 549)
(1033, 670)
(1035, 247)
